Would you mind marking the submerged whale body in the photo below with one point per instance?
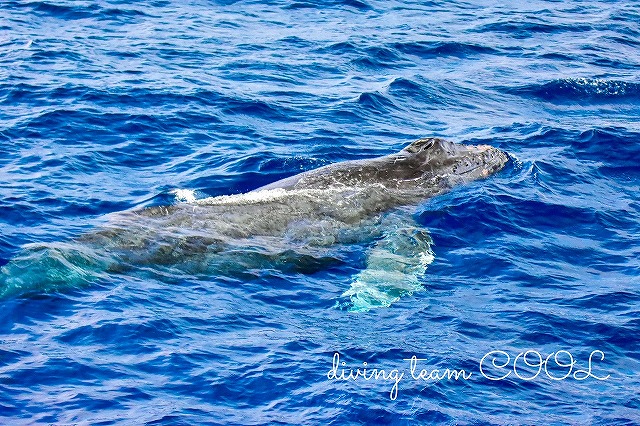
(294, 222)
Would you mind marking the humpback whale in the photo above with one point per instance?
(294, 222)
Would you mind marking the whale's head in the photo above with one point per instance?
(439, 161)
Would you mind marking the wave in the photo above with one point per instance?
(377, 57)
(406, 89)
(529, 29)
(582, 90)
(68, 107)
(375, 101)
(425, 49)
(77, 12)
(398, 54)
(314, 4)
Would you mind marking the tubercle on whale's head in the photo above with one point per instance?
(455, 163)
(422, 145)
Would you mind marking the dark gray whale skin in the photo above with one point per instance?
(287, 222)
(425, 167)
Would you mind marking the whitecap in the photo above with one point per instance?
(185, 195)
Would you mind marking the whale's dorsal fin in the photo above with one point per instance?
(421, 145)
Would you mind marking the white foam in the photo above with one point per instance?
(185, 195)
(265, 195)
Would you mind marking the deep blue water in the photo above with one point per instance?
(107, 106)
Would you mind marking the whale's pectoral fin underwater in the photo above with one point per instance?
(305, 220)
(395, 266)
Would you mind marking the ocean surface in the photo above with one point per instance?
(108, 106)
